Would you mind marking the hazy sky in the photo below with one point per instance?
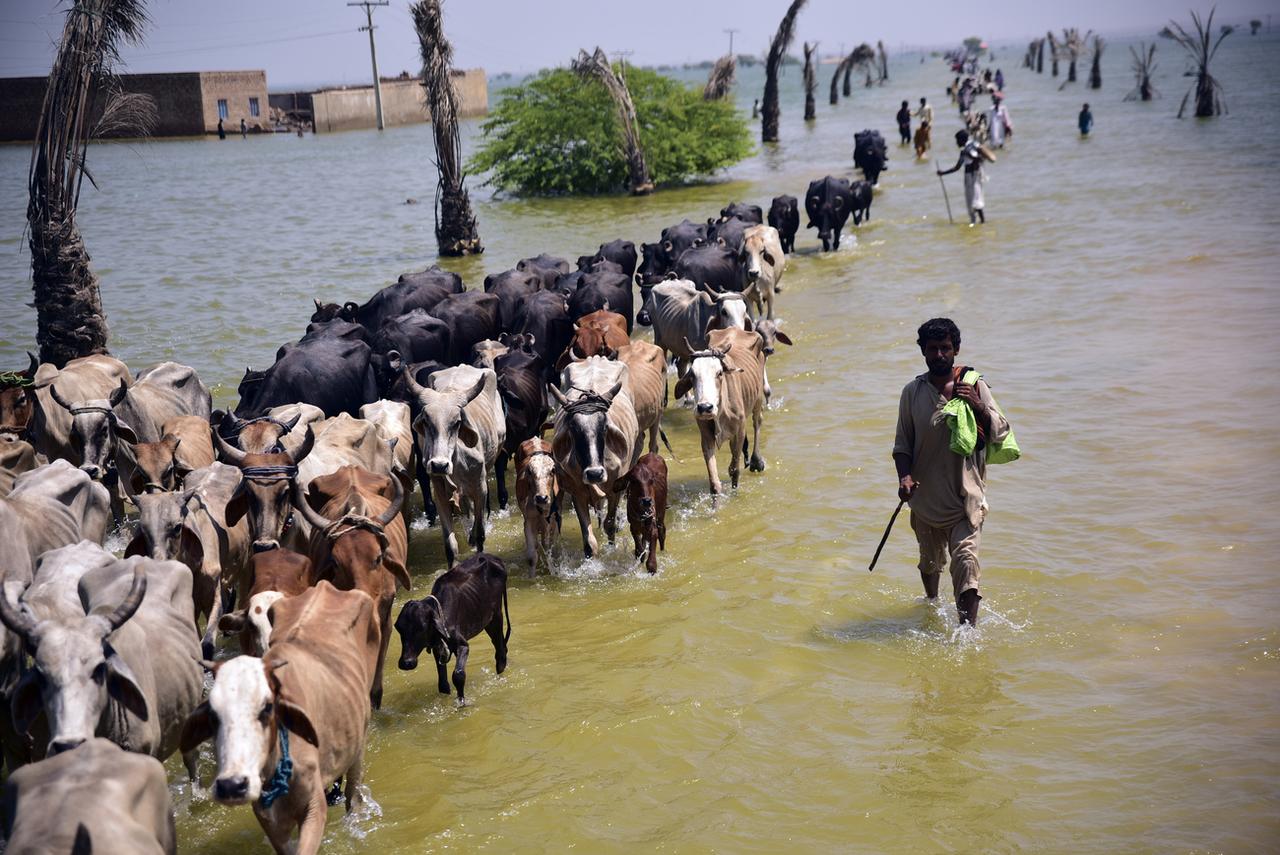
(302, 42)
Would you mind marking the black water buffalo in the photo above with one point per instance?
(333, 374)
(730, 233)
(784, 215)
(828, 202)
(337, 329)
(522, 387)
(470, 597)
(472, 316)
(660, 258)
(512, 287)
(620, 252)
(435, 275)
(416, 336)
(603, 290)
(742, 211)
(568, 284)
(414, 291)
(548, 268)
(548, 323)
(862, 196)
(870, 154)
(712, 268)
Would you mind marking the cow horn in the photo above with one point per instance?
(129, 604)
(118, 393)
(35, 364)
(291, 424)
(308, 443)
(474, 392)
(384, 519)
(19, 621)
(58, 399)
(226, 449)
(412, 382)
(613, 393)
(689, 346)
(310, 514)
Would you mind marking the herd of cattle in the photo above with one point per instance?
(284, 522)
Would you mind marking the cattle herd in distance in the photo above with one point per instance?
(283, 522)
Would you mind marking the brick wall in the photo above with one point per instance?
(236, 88)
(403, 103)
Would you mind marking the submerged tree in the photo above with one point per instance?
(884, 62)
(1073, 46)
(1254, 26)
(835, 80)
(777, 50)
(456, 229)
(1040, 56)
(69, 318)
(597, 65)
(721, 78)
(1095, 71)
(1053, 53)
(810, 82)
(1201, 47)
(1144, 65)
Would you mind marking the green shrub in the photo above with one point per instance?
(558, 134)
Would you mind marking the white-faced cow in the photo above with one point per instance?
(276, 574)
(90, 378)
(763, 263)
(682, 313)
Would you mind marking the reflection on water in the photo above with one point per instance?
(764, 690)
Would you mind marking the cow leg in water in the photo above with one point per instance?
(705, 433)
(424, 484)
(311, 831)
(215, 612)
(442, 677)
(354, 775)
(837, 237)
(611, 516)
(756, 464)
(737, 449)
(192, 761)
(475, 539)
(653, 435)
(583, 510)
(460, 671)
(494, 631)
(531, 522)
(440, 492)
(384, 626)
(278, 827)
(651, 560)
(826, 245)
(501, 466)
(768, 390)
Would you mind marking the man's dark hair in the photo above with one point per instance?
(962, 136)
(936, 329)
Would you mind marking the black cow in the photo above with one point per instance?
(592, 264)
(712, 268)
(435, 275)
(548, 323)
(741, 210)
(862, 196)
(730, 233)
(512, 287)
(416, 336)
(603, 290)
(620, 252)
(870, 154)
(333, 374)
(828, 202)
(471, 596)
(548, 268)
(522, 385)
(659, 259)
(423, 291)
(568, 284)
(472, 316)
(332, 329)
(784, 215)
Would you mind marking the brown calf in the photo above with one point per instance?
(159, 467)
(597, 334)
(275, 574)
(646, 486)
(537, 493)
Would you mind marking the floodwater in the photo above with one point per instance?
(765, 692)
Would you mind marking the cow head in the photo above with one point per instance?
(263, 494)
(76, 669)
(754, 256)
(706, 378)
(420, 626)
(243, 714)
(95, 429)
(163, 532)
(16, 398)
(536, 482)
(326, 312)
(587, 420)
(149, 467)
(771, 336)
(441, 423)
(357, 542)
(730, 312)
(483, 353)
(276, 574)
(263, 435)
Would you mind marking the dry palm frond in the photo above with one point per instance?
(597, 66)
(721, 78)
(777, 50)
(1144, 65)
(1201, 47)
(70, 320)
(860, 57)
(456, 229)
(810, 82)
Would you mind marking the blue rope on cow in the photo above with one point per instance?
(279, 784)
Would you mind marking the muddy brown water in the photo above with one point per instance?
(764, 691)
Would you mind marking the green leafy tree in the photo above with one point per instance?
(558, 134)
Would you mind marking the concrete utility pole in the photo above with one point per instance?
(730, 32)
(373, 51)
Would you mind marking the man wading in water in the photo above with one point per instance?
(946, 491)
(971, 158)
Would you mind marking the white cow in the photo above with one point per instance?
(763, 262)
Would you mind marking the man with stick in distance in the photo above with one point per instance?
(946, 491)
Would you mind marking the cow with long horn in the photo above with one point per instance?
(264, 491)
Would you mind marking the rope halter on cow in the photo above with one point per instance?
(270, 473)
(279, 784)
(590, 403)
(352, 521)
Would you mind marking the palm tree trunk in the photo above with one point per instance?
(597, 65)
(884, 62)
(810, 83)
(777, 49)
(847, 85)
(1040, 57)
(1095, 70)
(835, 80)
(456, 230)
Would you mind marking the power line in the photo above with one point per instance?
(373, 52)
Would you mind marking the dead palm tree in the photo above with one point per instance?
(1095, 70)
(884, 61)
(69, 318)
(456, 230)
(810, 82)
(835, 79)
(597, 65)
(721, 78)
(1201, 48)
(1073, 45)
(1053, 53)
(777, 50)
(1144, 65)
(1040, 56)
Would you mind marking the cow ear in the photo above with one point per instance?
(237, 507)
(123, 431)
(782, 337)
(467, 435)
(196, 729)
(122, 685)
(233, 623)
(684, 384)
(26, 704)
(137, 546)
(713, 323)
(295, 718)
(191, 550)
(400, 573)
(620, 486)
(749, 325)
(118, 393)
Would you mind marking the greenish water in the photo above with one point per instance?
(764, 691)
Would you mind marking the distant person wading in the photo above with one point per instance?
(972, 158)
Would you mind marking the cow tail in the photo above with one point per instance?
(662, 433)
(507, 611)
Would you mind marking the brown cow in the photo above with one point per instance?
(265, 489)
(16, 398)
(646, 486)
(600, 333)
(158, 467)
(275, 574)
(538, 494)
(359, 542)
(646, 382)
(308, 697)
(283, 428)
